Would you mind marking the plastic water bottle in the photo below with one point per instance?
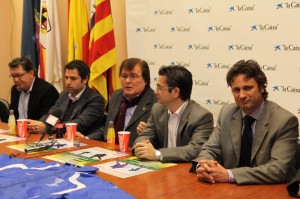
(11, 122)
(111, 136)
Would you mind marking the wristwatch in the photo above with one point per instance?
(157, 155)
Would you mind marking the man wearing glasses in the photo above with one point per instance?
(31, 97)
(178, 126)
(131, 104)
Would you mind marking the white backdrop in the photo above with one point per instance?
(208, 37)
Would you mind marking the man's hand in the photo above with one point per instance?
(144, 150)
(78, 134)
(211, 171)
(36, 126)
(141, 127)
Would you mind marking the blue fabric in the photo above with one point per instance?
(21, 178)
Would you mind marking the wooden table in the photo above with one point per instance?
(172, 182)
(177, 182)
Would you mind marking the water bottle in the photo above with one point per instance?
(11, 122)
(111, 136)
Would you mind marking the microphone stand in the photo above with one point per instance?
(50, 137)
(44, 146)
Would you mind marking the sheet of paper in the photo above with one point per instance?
(9, 138)
(131, 166)
(3, 130)
(85, 156)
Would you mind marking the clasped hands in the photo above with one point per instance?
(211, 171)
(144, 150)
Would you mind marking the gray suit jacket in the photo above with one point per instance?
(195, 127)
(273, 148)
(141, 113)
(88, 112)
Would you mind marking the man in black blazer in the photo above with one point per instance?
(31, 97)
(136, 95)
(79, 104)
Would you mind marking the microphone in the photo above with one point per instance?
(37, 148)
(51, 120)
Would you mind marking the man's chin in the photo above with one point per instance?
(130, 94)
(128, 90)
(69, 90)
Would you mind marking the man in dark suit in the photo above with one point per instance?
(79, 103)
(177, 127)
(31, 97)
(271, 139)
(131, 104)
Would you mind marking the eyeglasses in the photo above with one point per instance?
(17, 75)
(160, 88)
(132, 76)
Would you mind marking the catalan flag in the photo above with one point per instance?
(78, 39)
(50, 54)
(102, 50)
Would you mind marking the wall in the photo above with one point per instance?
(10, 36)
(10, 40)
(208, 37)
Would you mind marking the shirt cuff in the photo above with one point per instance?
(230, 176)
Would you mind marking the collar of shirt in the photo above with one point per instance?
(130, 98)
(179, 110)
(30, 89)
(74, 99)
(257, 112)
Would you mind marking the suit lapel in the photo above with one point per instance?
(164, 129)
(261, 130)
(141, 109)
(236, 133)
(81, 101)
(32, 98)
(182, 122)
(116, 106)
(64, 104)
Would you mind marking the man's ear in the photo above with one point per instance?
(176, 91)
(85, 80)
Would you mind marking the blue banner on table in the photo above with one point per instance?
(22, 178)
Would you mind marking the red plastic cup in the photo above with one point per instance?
(124, 137)
(22, 127)
(71, 131)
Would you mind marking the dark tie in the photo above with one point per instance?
(246, 146)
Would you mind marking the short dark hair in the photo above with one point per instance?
(180, 77)
(82, 68)
(24, 62)
(251, 69)
(130, 63)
